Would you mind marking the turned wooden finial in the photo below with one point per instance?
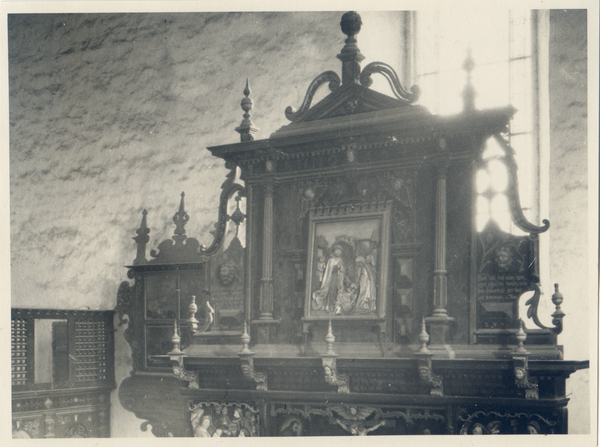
(350, 54)
(469, 91)
(521, 336)
(423, 338)
(329, 339)
(246, 340)
(192, 309)
(176, 340)
(246, 128)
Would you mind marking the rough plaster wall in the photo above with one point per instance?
(111, 114)
(569, 248)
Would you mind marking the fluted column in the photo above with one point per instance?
(439, 320)
(440, 288)
(266, 282)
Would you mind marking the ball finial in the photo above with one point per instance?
(351, 23)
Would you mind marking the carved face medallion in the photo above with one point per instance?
(503, 259)
(226, 273)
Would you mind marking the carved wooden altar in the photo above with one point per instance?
(363, 300)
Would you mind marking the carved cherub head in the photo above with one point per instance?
(503, 259)
(519, 373)
(424, 373)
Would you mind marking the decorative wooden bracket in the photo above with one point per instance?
(521, 367)
(332, 377)
(247, 360)
(229, 188)
(425, 365)
(522, 378)
(181, 373)
(176, 356)
(512, 191)
(557, 316)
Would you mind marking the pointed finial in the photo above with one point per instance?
(329, 339)
(141, 240)
(245, 340)
(180, 219)
(192, 309)
(246, 128)
(350, 54)
(469, 91)
(423, 338)
(175, 340)
(521, 336)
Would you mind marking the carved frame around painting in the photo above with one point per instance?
(348, 262)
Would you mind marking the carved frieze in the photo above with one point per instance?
(224, 420)
(477, 422)
(356, 420)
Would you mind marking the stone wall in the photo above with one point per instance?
(568, 234)
(111, 114)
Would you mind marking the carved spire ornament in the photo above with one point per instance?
(180, 219)
(469, 91)
(141, 240)
(246, 128)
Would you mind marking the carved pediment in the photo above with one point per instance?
(349, 100)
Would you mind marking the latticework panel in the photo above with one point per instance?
(19, 364)
(90, 350)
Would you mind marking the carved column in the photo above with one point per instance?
(440, 288)
(266, 282)
(439, 319)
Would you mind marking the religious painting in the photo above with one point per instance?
(347, 262)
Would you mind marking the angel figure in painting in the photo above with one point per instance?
(332, 282)
(365, 301)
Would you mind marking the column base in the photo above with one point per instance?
(439, 326)
(266, 330)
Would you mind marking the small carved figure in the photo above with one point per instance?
(201, 430)
(359, 428)
(292, 426)
(533, 428)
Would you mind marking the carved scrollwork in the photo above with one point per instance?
(327, 76)
(496, 422)
(429, 378)
(557, 316)
(229, 188)
(512, 192)
(392, 78)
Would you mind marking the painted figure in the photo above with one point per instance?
(366, 300)
(333, 281)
